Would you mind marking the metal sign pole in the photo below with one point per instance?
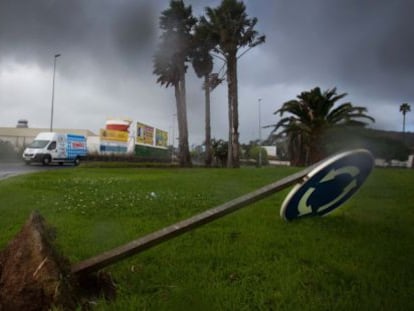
(110, 257)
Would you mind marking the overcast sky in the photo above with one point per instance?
(363, 47)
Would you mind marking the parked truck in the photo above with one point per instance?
(50, 147)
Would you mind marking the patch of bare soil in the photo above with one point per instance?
(33, 275)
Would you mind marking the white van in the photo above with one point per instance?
(51, 147)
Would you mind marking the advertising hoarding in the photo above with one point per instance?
(161, 138)
(145, 134)
(112, 135)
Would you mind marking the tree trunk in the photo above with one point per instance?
(183, 148)
(403, 129)
(315, 147)
(233, 160)
(209, 156)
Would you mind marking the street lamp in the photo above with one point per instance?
(53, 91)
(260, 133)
(173, 137)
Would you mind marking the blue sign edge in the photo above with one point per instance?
(317, 168)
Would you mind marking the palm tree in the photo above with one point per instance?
(231, 30)
(169, 60)
(311, 115)
(203, 66)
(404, 108)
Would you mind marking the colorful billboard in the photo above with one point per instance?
(151, 136)
(145, 134)
(161, 138)
(112, 135)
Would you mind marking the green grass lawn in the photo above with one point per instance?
(360, 257)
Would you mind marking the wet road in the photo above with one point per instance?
(9, 169)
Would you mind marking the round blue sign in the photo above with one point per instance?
(328, 185)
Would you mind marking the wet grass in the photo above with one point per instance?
(361, 257)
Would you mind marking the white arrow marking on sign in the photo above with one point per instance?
(304, 208)
(347, 189)
(351, 170)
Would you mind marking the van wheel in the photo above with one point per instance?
(76, 162)
(46, 160)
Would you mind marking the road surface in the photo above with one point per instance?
(9, 169)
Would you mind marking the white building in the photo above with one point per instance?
(20, 137)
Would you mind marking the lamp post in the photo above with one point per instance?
(260, 133)
(173, 137)
(53, 91)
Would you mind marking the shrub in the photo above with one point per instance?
(255, 153)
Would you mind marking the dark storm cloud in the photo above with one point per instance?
(347, 42)
(364, 47)
(93, 30)
(352, 43)
(135, 29)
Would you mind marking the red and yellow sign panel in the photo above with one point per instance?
(113, 135)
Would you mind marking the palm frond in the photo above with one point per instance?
(311, 115)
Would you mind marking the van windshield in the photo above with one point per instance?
(38, 144)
